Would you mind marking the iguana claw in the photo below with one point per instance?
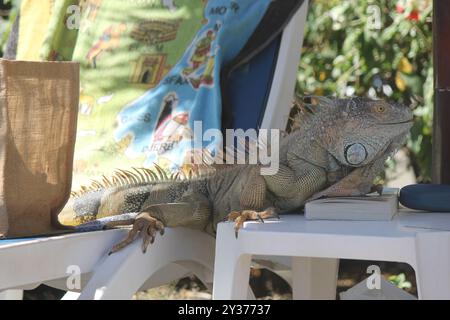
(339, 191)
(146, 225)
(260, 218)
(239, 217)
(378, 188)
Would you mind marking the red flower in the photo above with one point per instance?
(413, 16)
(399, 8)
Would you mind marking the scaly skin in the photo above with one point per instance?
(338, 151)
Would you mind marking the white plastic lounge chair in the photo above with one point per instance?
(27, 263)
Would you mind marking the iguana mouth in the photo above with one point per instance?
(401, 122)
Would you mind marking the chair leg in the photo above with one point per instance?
(314, 278)
(231, 276)
(231, 266)
(11, 294)
(433, 265)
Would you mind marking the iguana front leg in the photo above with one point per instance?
(193, 212)
(146, 225)
(358, 182)
(251, 202)
(292, 188)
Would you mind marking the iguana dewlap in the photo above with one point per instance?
(340, 148)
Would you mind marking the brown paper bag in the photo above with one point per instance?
(38, 115)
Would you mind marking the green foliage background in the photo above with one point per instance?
(369, 48)
(363, 48)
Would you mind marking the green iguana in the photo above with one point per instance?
(340, 148)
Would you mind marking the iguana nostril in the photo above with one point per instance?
(355, 153)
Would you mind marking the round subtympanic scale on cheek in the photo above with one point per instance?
(355, 154)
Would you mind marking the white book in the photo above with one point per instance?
(373, 207)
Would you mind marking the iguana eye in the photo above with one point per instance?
(380, 109)
(355, 154)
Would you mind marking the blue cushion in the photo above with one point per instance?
(429, 197)
(249, 86)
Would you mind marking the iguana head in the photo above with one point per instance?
(361, 129)
(354, 131)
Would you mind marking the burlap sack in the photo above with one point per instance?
(38, 115)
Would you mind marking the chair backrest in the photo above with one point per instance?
(261, 92)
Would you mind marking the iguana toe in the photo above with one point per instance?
(145, 225)
(239, 217)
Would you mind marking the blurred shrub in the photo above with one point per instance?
(400, 281)
(378, 49)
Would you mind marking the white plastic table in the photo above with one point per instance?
(420, 239)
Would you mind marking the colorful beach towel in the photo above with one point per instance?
(149, 69)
